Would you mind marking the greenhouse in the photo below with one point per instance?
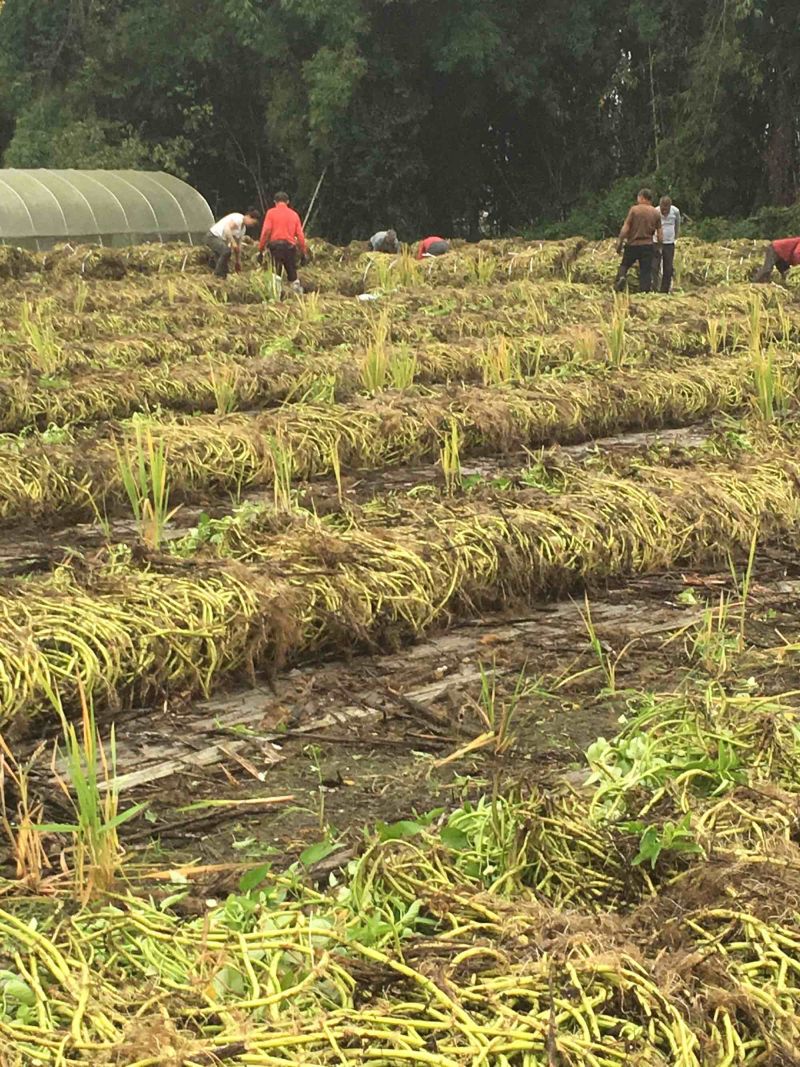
(41, 208)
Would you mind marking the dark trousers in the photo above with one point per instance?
(771, 260)
(284, 257)
(643, 254)
(222, 250)
(663, 267)
(438, 248)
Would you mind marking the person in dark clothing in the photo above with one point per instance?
(782, 254)
(636, 237)
(225, 238)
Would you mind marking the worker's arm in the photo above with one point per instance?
(420, 250)
(659, 231)
(677, 223)
(232, 237)
(266, 233)
(623, 233)
(301, 237)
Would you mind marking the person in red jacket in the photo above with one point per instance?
(283, 233)
(432, 246)
(782, 254)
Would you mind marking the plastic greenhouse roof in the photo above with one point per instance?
(41, 207)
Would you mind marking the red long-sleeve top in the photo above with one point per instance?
(425, 244)
(788, 248)
(282, 223)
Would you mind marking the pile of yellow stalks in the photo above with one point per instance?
(190, 619)
(514, 932)
(77, 475)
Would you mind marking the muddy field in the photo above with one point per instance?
(406, 672)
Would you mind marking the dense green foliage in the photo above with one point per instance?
(443, 115)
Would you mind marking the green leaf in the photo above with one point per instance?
(316, 852)
(18, 990)
(229, 981)
(454, 838)
(635, 826)
(398, 831)
(372, 932)
(250, 879)
(649, 847)
(124, 816)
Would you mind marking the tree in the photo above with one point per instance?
(452, 116)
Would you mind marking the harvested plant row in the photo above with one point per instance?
(130, 337)
(700, 263)
(183, 625)
(79, 477)
(86, 312)
(186, 374)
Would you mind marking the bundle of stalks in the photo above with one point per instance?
(79, 310)
(130, 354)
(719, 263)
(88, 261)
(193, 301)
(15, 262)
(166, 307)
(92, 261)
(167, 258)
(544, 259)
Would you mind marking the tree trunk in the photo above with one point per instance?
(780, 149)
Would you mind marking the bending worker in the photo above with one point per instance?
(225, 238)
(283, 233)
(782, 254)
(642, 224)
(432, 246)
(384, 241)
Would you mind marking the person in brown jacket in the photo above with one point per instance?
(642, 224)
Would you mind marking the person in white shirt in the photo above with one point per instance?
(225, 238)
(670, 228)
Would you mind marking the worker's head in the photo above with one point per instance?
(665, 204)
(281, 198)
(252, 216)
(391, 236)
(644, 196)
